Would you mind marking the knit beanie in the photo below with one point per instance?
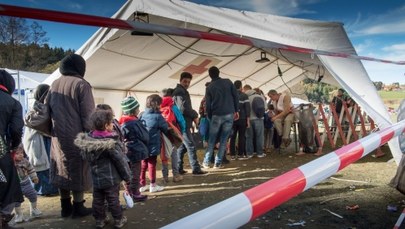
(40, 91)
(213, 72)
(7, 81)
(129, 104)
(72, 65)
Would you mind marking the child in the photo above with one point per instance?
(155, 123)
(268, 127)
(117, 126)
(25, 172)
(136, 138)
(102, 149)
(172, 115)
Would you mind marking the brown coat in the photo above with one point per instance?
(71, 102)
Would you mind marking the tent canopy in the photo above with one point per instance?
(120, 62)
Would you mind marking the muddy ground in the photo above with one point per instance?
(363, 183)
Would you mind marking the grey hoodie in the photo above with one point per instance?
(251, 95)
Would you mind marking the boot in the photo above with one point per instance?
(67, 208)
(79, 210)
(4, 219)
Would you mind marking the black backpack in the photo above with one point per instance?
(258, 106)
(136, 140)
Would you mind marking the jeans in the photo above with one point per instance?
(220, 126)
(254, 137)
(268, 137)
(165, 163)
(189, 147)
(149, 165)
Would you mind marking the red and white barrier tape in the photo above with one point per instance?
(247, 206)
(82, 19)
(400, 220)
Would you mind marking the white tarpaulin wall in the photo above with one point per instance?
(119, 63)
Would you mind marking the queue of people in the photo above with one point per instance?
(90, 150)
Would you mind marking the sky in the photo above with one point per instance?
(376, 28)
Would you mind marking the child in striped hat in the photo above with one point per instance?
(136, 139)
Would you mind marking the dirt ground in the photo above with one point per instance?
(363, 183)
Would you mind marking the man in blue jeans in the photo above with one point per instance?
(255, 133)
(222, 104)
(182, 99)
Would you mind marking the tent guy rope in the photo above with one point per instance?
(82, 19)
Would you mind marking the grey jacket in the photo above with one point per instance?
(109, 166)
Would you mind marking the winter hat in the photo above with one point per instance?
(213, 72)
(7, 82)
(72, 65)
(129, 104)
(40, 91)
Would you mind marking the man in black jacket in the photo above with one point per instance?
(222, 104)
(240, 125)
(182, 99)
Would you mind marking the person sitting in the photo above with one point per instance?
(284, 117)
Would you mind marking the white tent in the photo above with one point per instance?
(121, 63)
(25, 83)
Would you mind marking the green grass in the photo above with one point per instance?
(392, 95)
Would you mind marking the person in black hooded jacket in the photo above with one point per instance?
(11, 125)
(71, 103)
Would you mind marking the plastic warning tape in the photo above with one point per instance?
(400, 220)
(82, 19)
(247, 206)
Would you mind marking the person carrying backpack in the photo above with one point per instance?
(136, 138)
(255, 132)
(174, 118)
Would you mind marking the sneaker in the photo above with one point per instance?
(249, 156)
(119, 223)
(139, 198)
(35, 212)
(218, 167)
(226, 161)
(182, 171)
(262, 155)
(177, 178)
(143, 188)
(205, 166)
(200, 172)
(166, 180)
(233, 158)
(19, 218)
(156, 188)
(242, 158)
(101, 223)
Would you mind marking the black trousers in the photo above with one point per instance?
(111, 195)
(239, 130)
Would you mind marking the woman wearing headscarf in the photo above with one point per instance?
(11, 125)
(37, 147)
(71, 103)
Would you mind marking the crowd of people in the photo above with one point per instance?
(89, 149)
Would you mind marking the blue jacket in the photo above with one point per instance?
(155, 123)
(268, 124)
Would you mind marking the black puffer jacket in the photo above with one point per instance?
(109, 166)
